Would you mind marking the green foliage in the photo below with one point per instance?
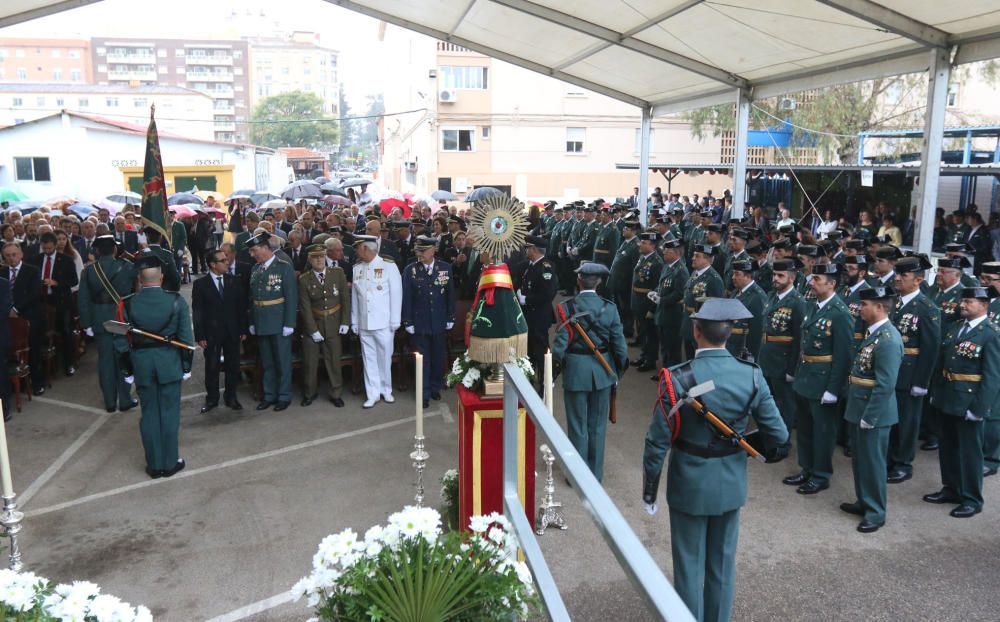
(449, 498)
(293, 119)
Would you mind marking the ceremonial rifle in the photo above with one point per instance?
(123, 328)
(692, 399)
(573, 321)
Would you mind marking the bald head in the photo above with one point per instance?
(152, 276)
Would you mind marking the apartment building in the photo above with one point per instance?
(219, 69)
(296, 62)
(45, 60)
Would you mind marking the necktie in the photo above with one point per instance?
(965, 329)
(48, 268)
(319, 275)
(222, 289)
(13, 277)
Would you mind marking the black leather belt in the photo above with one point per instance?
(585, 350)
(150, 344)
(705, 452)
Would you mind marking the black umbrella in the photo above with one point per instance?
(262, 197)
(355, 181)
(185, 198)
(242, 194)
(443, 195)
(332, 188)
(481, 193)
(302, 189)
(322, 180)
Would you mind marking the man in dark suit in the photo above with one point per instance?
(26, 296)
(296, 251)
(58, 274)
(979, 239)
(85, 242)
(125, 237)
(219, 314)
(404, 241)
(5, 306)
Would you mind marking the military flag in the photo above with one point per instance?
(154, 189)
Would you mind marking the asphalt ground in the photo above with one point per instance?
(227, 537)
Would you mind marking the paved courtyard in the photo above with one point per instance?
(227, 537)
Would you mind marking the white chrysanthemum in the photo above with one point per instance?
(85, 589)
(143, 614)
(524, 574)
(479, 524)
(301, 588)
(18, 594)
(106, 608)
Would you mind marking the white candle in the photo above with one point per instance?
(548, 381)
(419, 390)
(8, 486)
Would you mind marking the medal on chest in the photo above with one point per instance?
(780, 319)
(969, 350)
(866, 355)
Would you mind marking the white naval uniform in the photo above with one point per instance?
(377, 299)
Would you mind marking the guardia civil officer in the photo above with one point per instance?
(539, 285)
(644, 280)
(587, 384)
(622, 267)
(274, 295)
(871, 406)
(779, 352)
(157, 369)
(990, 279)
(669, 299)
(706, 480)
(428, 312)
(966, 395)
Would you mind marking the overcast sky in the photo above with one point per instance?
(354, 35)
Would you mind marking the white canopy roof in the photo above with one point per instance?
(681, 54)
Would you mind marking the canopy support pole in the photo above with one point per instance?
(938, 74)
(740, 157)
(644, 130)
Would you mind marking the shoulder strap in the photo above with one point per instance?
(106, 282)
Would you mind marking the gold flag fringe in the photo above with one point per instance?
(498, 350)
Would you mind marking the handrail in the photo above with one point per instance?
(642, 570)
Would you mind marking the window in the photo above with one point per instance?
(237, 54)
(180, 71)
(457, 139)
(102, 68)
(22, 73)
(161, 52)
(32, 169)
(56, 53)
(40, 102)
(638, 140)
(444, 183)
(575, 137)
(57, 74)
(74, 75)
(19, 53)
(111, 102)
(101, 51)
(83, 102)
(74, 53)
(16, 102)
(3, 54)
(455, 77)
(140, 102)
(952, 95)
(179, 53)
(486, 132)
(163, 69)
(60, 102)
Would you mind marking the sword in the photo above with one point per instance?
(124, 328)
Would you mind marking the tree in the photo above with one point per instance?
(293, 119)
(348, 125)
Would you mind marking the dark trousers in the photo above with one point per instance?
(229, 348)
(670, 345)
(276, 358)
(816, 437)
(63, 315)
(117, 393)
(991, 443)
(199, 257)
(433, 348)
(36, 361)
(623, 300)
(649, 336)
(929, 421)
(538, 345)
(704, 555)
(903, 438)
(784, 398)
(961, 458)
(868, 456)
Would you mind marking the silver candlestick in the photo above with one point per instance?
(549, 512)
(10, 518)
(419, 457)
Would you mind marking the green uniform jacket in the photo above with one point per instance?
(747, 333)
(560, 236)
(710, 486)
(706, 285)
(645, 278)
(97, 305)
(277, 288)
(947, 302)
(670, 309)
(178, 236)
(871, 394)
(779, 352)
(165, 313)
(804, 288)
(325, 306)
(993, 313)
(765, 276)
(623, 266)
(853, 302)
(171, 278)
(727, 276)
(826, 349)
(584, 241)
(581, 369)
(606, 244)
(919, 326)
(970, 377)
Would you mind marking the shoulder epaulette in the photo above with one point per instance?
(750, 363)
(388, 259)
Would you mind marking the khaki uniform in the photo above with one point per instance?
(325, 307)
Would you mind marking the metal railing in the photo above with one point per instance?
(660, 596)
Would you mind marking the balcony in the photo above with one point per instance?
(225, 93)
(230, 110)
(213, 60)
(225, 126)
(138, 58)
(132, 74)
(209, 76)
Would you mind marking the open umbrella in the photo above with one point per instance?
(439, 195)
(242, 194)
(355, 181)
(183, 211)
(262, 197)
(125, 197)
(481, 193)
(335, 199)
(273, 203)
(11, 195)
(185, 198)
(24, 206)
(83, 209)
(57, 204)
(302, 189)
(332, 188)
(389, 204)
(322, 180)
(210, 193)
(112, 207)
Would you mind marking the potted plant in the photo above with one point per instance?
(27, 597)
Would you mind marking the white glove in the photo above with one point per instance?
(286, 331)
(650, 508)
(520, 297)
(865, 425)
(253, 331)
(89, 332)
(828, 398)
(449, 325)
(918, 391)
(186, 376)
(574, 252)
(344, 328)
(411, 330)
(354, 329)
(789, 378)
(654, 297)
(318, 338)
(129, 379)
(970, 416)
(394, 327)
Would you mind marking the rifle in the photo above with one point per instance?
(123, 328)
(572, 320)
(692, 399)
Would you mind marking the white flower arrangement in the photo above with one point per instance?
(470, 373)
(27, 596)
(453, 576)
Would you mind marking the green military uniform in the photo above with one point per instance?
(560, 248)
(871, 398)
(584, 240)
(274, 296)
(764, 276)
(748, 333)
(171, 277)
(158, 370)
(966, 394)
(670, 310)
(102, 284)
(620, 281)
(606, 244)
(852, 298)
(919, 324)
(991, 429)
(645, 278)
(779, 351)
(947, 301)
(587, 385)
(707, 284)
(826, 349)
(178, 242)
(707, 477)
(326, 307)
(727, 276)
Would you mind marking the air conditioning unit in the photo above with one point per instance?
(448, 96)
(787, 103)
(410, 166)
